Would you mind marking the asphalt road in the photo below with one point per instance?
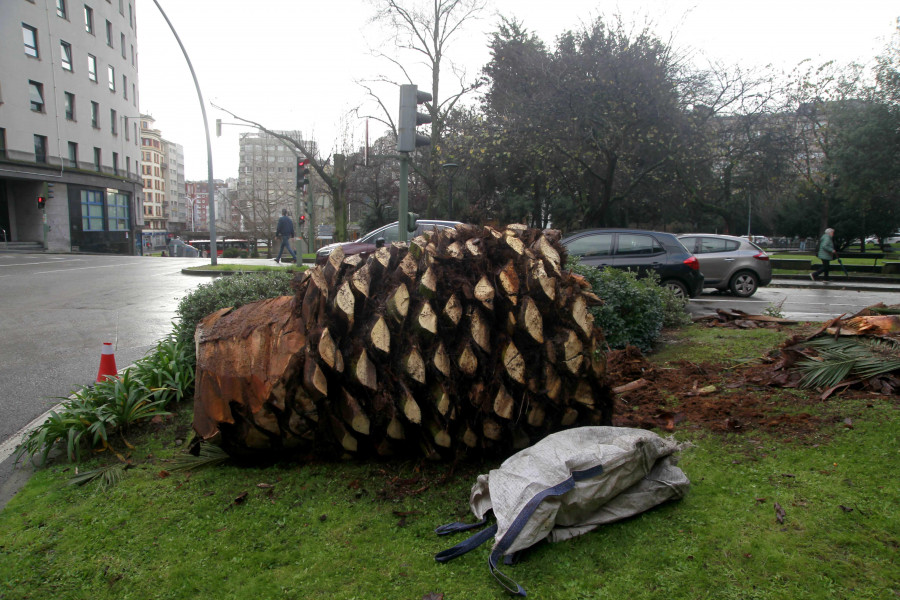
(804, 303)
(57, 310)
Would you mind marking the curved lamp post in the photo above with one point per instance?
(450, 169)
(211, 190)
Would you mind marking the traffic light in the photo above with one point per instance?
(407, 138)
(302, 172)
(49, 191)
(411, 218)
(42, 203)
(302, 220)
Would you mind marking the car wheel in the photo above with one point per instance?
(676, 286)
(744, 284)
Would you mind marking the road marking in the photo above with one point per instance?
(49, 262)
(76, 269)
(750, 300)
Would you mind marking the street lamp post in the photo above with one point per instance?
(451, 169)
(211, 189)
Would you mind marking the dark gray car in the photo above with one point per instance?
(730, 263)
(641, 251)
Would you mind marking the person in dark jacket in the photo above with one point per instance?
(285, 230)
(826, 253)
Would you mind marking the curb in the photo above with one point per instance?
(211, 273)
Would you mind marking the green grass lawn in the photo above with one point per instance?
(365, 530)
(243, 268)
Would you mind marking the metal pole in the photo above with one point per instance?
(210, 187)
(749, 209)
(404, 196)
(451, 197)
(311, 205)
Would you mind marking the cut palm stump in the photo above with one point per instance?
(469, 339)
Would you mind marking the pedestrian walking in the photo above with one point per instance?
(825, 253)
(285, 230)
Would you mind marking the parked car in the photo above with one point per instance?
(730, 263)
(894, 238)
(379, 237)
(643, 251)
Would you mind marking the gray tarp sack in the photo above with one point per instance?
(569, 483)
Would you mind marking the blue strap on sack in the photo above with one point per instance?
(515, 528)
(468, 544)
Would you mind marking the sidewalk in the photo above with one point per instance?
(837, 282)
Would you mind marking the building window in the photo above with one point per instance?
(122, 43)
(128, 166)
(111, 71)
(130, 16)
(29, 35)
(40, 148)
(97, 158)
(125, 87)
(115, 163)
(95, 115)
(61, 9)
(92, 68)
(36, 94)
(117, 211)
(2, 142)
(112, 122)
(122, 7)
(73, 155)
(89, 19)
(109, 34)
(69, 101)
(92, 207)
(65, 55)
(132, 55)
(125, 119)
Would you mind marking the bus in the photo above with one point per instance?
(202, 246)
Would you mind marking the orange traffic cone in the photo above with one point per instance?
(107, 363)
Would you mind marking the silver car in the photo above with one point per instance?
(729, 263)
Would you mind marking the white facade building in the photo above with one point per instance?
(68, 116)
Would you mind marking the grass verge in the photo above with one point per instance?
(365, 530)
(244, 268)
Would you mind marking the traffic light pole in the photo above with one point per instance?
(311, 207)
(404, 196)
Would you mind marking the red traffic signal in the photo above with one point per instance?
(302, 172)
(302, 219)
(42, 202)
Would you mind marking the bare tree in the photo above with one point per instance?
(423, 31)
(331, 169)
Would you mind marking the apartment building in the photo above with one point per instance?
(69, 124)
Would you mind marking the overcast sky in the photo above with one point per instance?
(294, 64)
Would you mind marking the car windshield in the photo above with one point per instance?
(389, 233)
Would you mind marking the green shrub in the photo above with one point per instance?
(634, 310)
(168, 371)
(235, 253)
(675, 313)
(236, 290)
(92, 413)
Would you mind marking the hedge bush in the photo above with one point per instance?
(235, 290)
(634, 310)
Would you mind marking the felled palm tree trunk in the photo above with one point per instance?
(470, 339)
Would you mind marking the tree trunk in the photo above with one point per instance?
(468, 340)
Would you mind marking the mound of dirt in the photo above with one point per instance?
(684, 395)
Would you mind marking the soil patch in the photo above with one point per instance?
(716, 397)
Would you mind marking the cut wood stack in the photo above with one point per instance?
(469, 339)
